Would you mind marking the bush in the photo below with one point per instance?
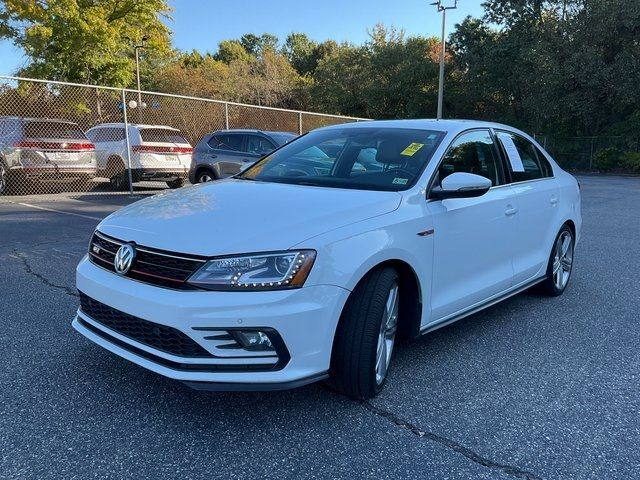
(631, 160)
(607, 158)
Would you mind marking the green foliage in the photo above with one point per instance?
(88, 42)
(631, 161)
(607, 159)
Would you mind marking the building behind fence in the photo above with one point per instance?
(41, 156)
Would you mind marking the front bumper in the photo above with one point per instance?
(304, 319)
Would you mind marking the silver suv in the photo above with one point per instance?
(158, 153)
(43, 150)
(227, 152)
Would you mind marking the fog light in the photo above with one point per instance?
(252, 340)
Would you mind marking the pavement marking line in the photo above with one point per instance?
(60, 211)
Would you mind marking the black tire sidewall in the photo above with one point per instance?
(353, 362)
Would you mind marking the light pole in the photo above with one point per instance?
(443, 9)
(136, 49)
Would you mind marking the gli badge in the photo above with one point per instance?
(124, 258)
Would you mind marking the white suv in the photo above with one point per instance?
(158, 153)
(305, 265)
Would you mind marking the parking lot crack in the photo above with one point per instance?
(29, 270)
(451, 444)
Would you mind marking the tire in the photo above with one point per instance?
(365, 336)
(117, 174)
(560, 263)
(177, 183)
(4, 179)
(205, 175)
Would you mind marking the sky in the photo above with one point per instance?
(202, 24)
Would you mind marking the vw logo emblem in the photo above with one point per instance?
(124, 258)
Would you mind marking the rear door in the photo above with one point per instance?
(537, 197)
(163, 149)
(57, 144)
(473, 237)
(227, 151)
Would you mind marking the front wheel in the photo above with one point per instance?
(366, 335)
(560, 263)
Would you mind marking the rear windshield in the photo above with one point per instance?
(44, 129)
(162, 135)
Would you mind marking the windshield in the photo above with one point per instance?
(360, 158)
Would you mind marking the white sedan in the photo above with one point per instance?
(309, 265)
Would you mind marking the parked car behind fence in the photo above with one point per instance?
(158, 153)
(227, 152)
(34, 151)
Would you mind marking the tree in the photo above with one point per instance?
(301, 52)
(256, 45)
(84, 41)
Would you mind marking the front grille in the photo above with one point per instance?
(150, 265)
(160, 337)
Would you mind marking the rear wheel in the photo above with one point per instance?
(366, 336)
(117, 174)
(560, 263)
(177, 183)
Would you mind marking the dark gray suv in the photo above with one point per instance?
(227, 152)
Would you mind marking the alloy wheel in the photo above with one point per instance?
(205, 177)
(387, 334)
(563, 260)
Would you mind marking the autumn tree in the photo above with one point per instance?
(84, 41)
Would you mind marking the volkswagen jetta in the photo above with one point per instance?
(311, 263)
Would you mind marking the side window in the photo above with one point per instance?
(227, 142)
(473, 152)
(534, 164)
(259, 145)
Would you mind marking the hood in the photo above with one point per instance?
(240, 216)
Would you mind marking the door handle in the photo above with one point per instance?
(553, 200)
(213, 155)
(510, 210)
(247, 160)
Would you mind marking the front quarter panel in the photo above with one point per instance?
(347, 254)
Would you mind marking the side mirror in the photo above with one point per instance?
(461, 185)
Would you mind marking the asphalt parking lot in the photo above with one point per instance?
(531, 388)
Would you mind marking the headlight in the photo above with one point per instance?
(267, 271)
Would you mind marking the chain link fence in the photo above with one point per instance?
(621, 153)
(60, 137)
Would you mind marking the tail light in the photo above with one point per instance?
(73, 146)
(161, 149)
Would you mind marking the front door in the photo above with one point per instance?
(473, 237)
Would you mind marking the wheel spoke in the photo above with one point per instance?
(387, 333)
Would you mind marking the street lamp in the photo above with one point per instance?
(443, 9)
(136, 48)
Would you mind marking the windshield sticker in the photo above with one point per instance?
(512, 152)
(400, 181)
(412, 149)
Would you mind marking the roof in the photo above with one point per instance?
(34, 119)
(253, 130)
(452, 126)
(135, 125)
